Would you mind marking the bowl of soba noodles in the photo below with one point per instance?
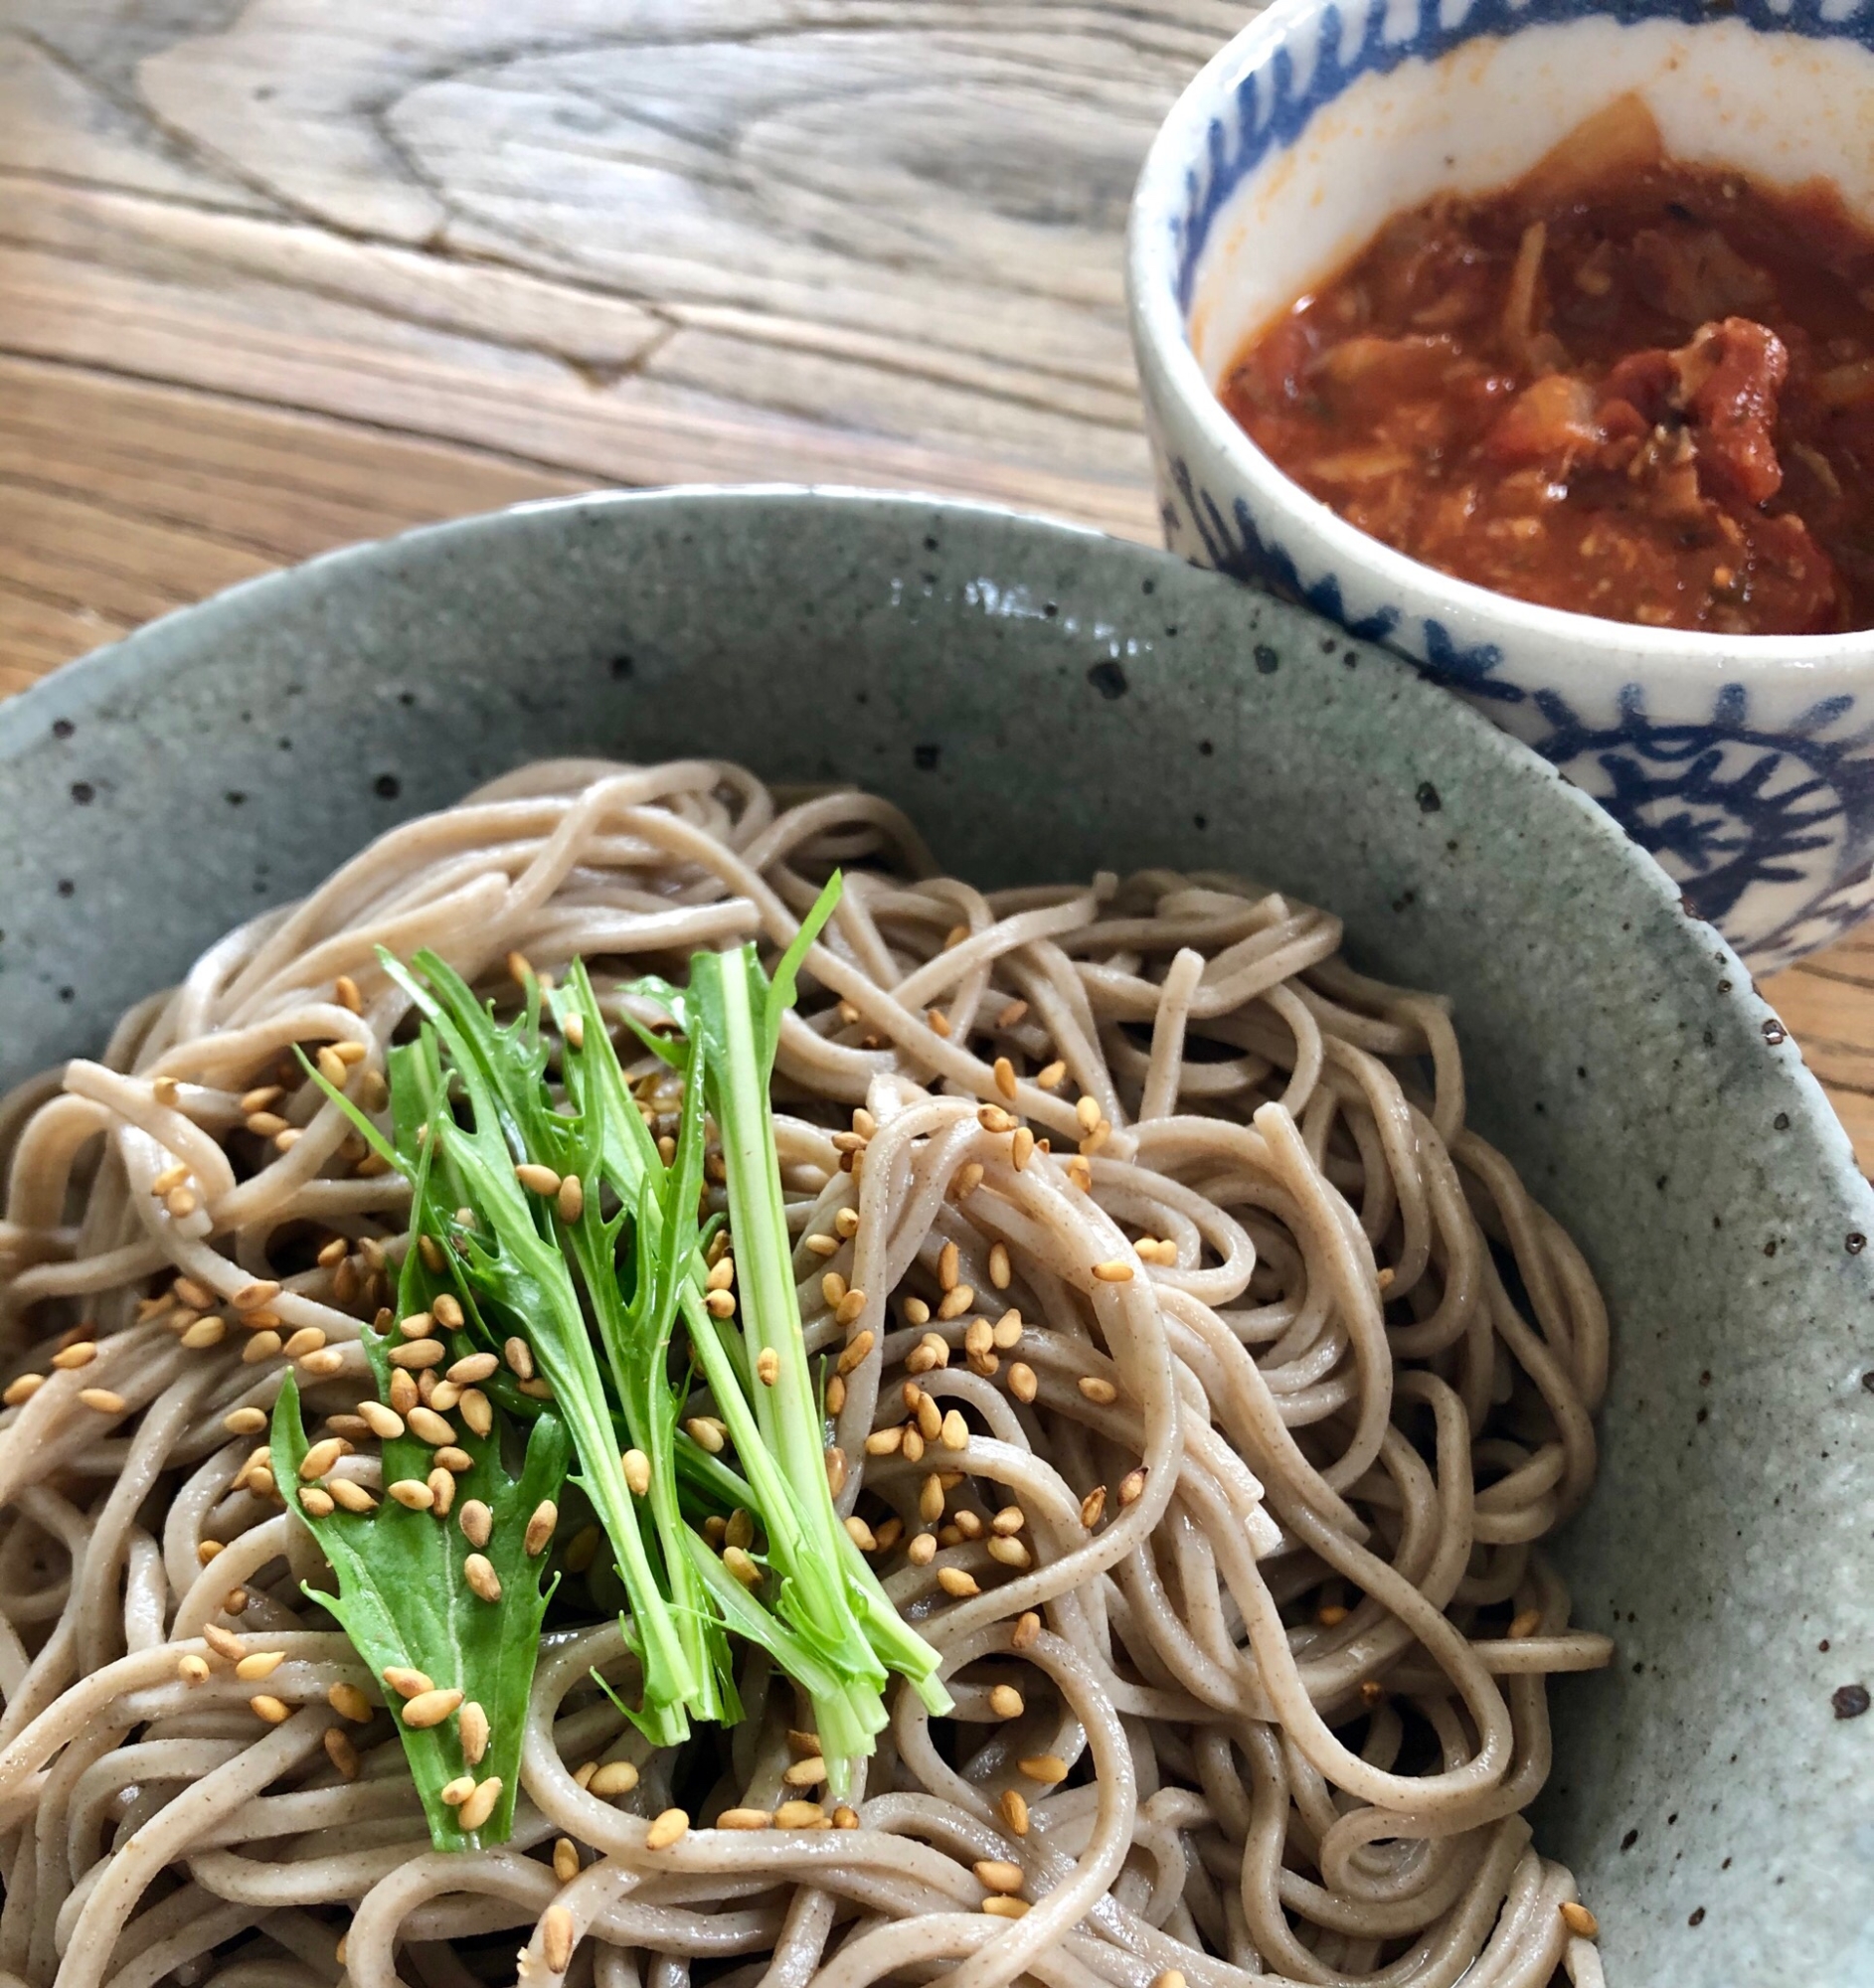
(799, 1239)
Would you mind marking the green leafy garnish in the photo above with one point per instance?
(548, 1212)
(406, 1602)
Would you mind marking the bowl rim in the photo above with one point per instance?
(1160, 334)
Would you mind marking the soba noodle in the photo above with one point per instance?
(1255, 1692)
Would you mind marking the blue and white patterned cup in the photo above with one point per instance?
(1745, 765)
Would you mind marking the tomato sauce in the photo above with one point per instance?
(1625, 386)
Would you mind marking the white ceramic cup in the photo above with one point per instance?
(1744, 764)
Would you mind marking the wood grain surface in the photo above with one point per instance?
(278, 275)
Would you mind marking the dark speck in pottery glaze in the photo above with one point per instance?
(745, 619)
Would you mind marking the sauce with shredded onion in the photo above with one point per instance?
(1626, 386)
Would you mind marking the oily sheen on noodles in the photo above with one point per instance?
(1269, 1376)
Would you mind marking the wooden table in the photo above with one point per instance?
(276, 274)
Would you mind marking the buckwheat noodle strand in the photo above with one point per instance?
(1237, 1579)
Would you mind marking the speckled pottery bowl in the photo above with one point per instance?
(1745, 765)
(1044, 703)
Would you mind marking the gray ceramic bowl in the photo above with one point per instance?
(1046, 702)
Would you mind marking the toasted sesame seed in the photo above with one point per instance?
(321, 1457)
(208, 1550)
(317, 1501)
(856, 1350)
(81, 1353)
(540, 1524)
(556, 1922)
(997, 1873)
(768, 1366)
(1526, 1623)
(708, 1434)
(323, 1362)
(408, 1682)
(447, 1311)
(850, 1309)
(412, 1494)
(354, 1497)
(999, 1907)
(885, 1441)
(257, 1099)
(285, 1141)
(476, 1810)
(1133, 1486)
(474, 1367)
(416, 1353)
(479, 1571)
(1005, 1701)
(1022, 1383)
(954, 1581)
(269, 1708)
(1048, 1768)
(637, 1472)
(834, 1460)
(1114, 1272)
(224, 1643)
(744, 1818)
(23, 1388)
(1172, 1977)
(566, 1867)
(103, 1399)
(581, 1777)
(308, 1339)
(258, 1664)
(739, 1564)
(1098, 1389)
(955, 1432)
(457, 1791)
(615, 1778)
(428, 1426)
(835, 1394)
(476, 1410)
(956, 1301)
(1009, 1553)
(349, 1703)
(1027, 1628)
(235, 1601)
(861, 1534)
(574, 1029)
(821, 1246)
(798, 1816)
(670, 1827)
(1580, 1920)
(192, 1670)
(968, 1181)
(1092, 1506)
(382, 1422)
(923, 1549)
(443, 1484)
(537, 1179)
(431, 1707)
(345, 991)
(472, 1729)
(807, 1774)
(1014, 1811)
(937, 1021)
(570, 1198)
(519, 1358)
(261, 1346)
